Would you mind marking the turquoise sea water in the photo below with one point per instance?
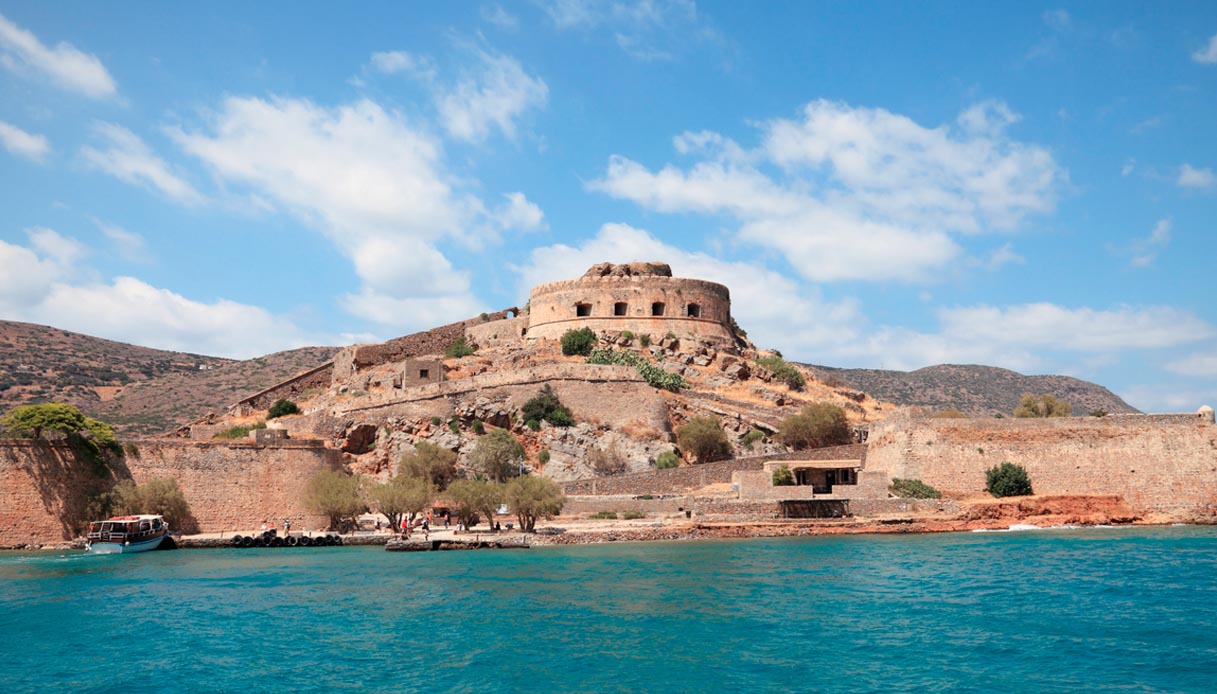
(1070, 610)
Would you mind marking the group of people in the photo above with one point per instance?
(270, 526)
(424, 523)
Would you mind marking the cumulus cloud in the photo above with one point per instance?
(129, 159)
(1207, 54)
(858, 194)
(1199, 364)
(45, 282)
(19, 142)
(1003, 256)
(21, 52)
(374, 184)
(492, 96)
(1192, 177)
(129, 245)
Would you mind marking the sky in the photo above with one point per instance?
(880, 185)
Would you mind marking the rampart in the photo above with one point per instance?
(45, 487)
(1162, 463)
(643, 304)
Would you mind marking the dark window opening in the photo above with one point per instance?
(657, 308)
(583, 309)
(424, 373)
(620, 308)
(694, 311)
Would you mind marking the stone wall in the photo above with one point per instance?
(1162, 463)
(44, 487)
(576, 505)
(292, 389)
(356, 358)
(499, 332)
(553, 307)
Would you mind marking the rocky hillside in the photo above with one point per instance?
(139, 389)
(972, 389)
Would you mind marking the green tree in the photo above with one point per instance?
(282, 408)
(818, 424)
(546, 406)
(156, 496)
(497, 455)
(430, 463)
(1008, 479)
(704, 438)
(400, 497)
(473, 498)
(531, 497)
(783, 477)
(35, 421)
(578, 342)
(334, 495)
(461, 347)
(1045, 405)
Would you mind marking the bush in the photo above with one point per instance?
(667, 460)
(607, 461)
(156, 496)
(704, 438)
(785, 372)
(1043, 406)
(533, 424)
(816, 425)
(1098, 413)
(543, 456)
(436, 421)
(949, 413)
(239, 432)
(545, 405)
(783, 477)
(454, 426)
(627, 334)
(604, 515)
(478, 427)
(461, 347)
(531, 497)
(655, 376)
(752, 437)
(335, 495)
(644, 340)
(632, 515)
(578, 342)
(913, 489)
(282, 408)
(1007, 479)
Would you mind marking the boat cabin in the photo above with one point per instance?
(126, 529)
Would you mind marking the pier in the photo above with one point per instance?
(454, 543)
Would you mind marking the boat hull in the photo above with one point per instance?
(125, 547)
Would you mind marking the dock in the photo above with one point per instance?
(455, 543)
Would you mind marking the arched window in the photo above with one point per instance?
(694, 311)
(583, 309)
(657, 308)
(621, 309)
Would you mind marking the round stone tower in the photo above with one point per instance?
(643, 298)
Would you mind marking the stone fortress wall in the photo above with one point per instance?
(45, 486)
(643, 298)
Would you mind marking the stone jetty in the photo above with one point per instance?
(416, 544)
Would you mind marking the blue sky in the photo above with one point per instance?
(880, 184)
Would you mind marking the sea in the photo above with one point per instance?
(1060, 610)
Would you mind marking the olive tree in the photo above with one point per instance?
(400, 497)
(335, 495)
(704, 438)
(818, 424)
(431, 463)
(471, 498)
(531, 497)
(497, 455)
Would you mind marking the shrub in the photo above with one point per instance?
(949, 413)
(1043, 406)
(607, 461)
(531, 497)
(667, 460)
(282, 408)
(604, 515)
(578, 342)
(816, 425)
(430, 463)
(454, 426)
(478, 427)
(913, 489)
(1098, 413)
(653, 375)
(704, 438)
(543, 456)
(497, 455)
(644, 340)
(436, 421)
(632, 515)
(785, 372)
(545, 405)
(752, 437)
(240, 431)
(627, 334)
(335, 495)
(1007, 479)
(533, 424)
(783, 477)
(461, 347)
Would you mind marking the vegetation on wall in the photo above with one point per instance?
(1044, 405)
(282, 408)
(36, 421)
(545, 406)
(653, 375)
(461, 347)
(667, 460)
(239, 431)
(783, 477)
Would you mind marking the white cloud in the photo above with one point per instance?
(1145, 251)
(1192, 177)
(1207, 54)
(23, 53)
(44, 283)
(1168, 398)
(1003, 256)
(646, 30)
(129, 159)
(1128, 167)
(1200, 364)
(494, 95)
(496, 15)
(374, 184)
(860, 193)
(1057, 20)
(397, 62)
(129, 245)
(28, 145)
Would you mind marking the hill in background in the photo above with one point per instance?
(978, 391)
(139, 390)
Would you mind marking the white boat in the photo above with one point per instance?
(126, 534)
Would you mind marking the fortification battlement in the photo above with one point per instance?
(643, 298)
